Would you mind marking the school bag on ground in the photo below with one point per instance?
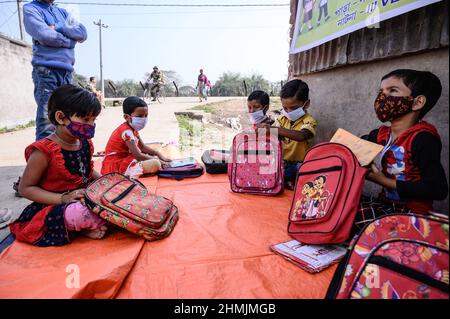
(256, 166)
(179, 173)
(128, 204)
(216, 161)
(327, 193)
(396, 257)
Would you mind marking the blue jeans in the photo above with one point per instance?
(46, 80)
(290, 171)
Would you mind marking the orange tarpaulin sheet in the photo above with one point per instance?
(28, 271)
(220, 248)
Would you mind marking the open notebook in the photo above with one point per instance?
(312, 258)
(182, 162)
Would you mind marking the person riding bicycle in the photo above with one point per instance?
(157, 78)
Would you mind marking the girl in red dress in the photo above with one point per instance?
(125, 152)
(58, 169)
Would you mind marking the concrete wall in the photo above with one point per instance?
(17, 105)
(343, 97)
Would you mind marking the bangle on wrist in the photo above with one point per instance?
(62, 196)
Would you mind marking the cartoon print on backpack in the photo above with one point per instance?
(313, 203)
(370, 278)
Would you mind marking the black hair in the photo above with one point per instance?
(295, 88)
(131, 103)
(321, 176)
(260, 96)
(310, 184)
(72, 100)
(420, 83)
(92, 78)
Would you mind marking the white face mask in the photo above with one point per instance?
(294, 115)
(138, 123)
(257, 117)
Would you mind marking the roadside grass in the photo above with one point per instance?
(207, 108)
(5, 129)
(191, 131)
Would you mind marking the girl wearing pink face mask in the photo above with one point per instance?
(125, 152)
(409, 168)
(58, 169)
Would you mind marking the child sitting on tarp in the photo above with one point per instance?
(409, 168)
(125, 152)
(258, 106)
(296, 127)
(58, 169)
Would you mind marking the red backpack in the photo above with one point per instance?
(327, 193)
(128, 204)
(256, 165)
(396, 257)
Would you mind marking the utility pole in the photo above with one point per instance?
(19, 12)
(100, 26)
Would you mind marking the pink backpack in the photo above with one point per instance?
(396, 257)
(327, 193)
(256, 164)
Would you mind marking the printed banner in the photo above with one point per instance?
(320, 21)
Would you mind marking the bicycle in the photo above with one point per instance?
(160, 95)
(146, 91)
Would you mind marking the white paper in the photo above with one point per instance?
(182, 162)
(316, 256)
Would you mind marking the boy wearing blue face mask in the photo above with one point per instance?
(125, 152)
(258, 105)
(296, 127)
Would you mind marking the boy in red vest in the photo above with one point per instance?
(409, 167)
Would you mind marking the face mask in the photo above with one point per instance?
(81, 131)
(295, 114)
(257, 117)
(389, 107)
(138, 123)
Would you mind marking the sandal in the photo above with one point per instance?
(16, 188)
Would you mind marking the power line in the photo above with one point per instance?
(167, 5)
(176, 12)
(198, 28)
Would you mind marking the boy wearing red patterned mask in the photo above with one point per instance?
(409, 168)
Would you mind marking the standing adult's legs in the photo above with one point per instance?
(153, 92)
(46, 80)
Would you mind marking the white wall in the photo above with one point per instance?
(17, 105)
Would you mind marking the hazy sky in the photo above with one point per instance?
(244, 40)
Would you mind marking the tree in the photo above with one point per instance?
(228, 84)
(78, 79)
(232, 84)
(257, 82)
(186, 90)
(275, 88)
(128, 87)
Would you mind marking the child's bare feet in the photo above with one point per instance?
(98, 233)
